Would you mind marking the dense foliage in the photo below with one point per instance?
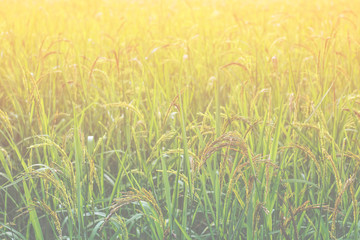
(179, 119)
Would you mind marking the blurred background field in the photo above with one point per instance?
(176, 119)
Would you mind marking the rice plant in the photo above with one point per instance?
(176, 119)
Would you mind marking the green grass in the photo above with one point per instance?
(173, 119)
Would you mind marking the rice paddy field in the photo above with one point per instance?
(179, 119)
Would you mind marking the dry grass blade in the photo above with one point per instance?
(283, 228)
(136, 196)
(46, 208)
(165, 137)
(4, 117)
(354, 201)
(337, 202)
(173, 104)
(230, 140)
(49, 142)
(334, 169)
(238, 173)
(42, 205)
(258, 208)
(126, 106)
(292, 217)
(229, 120)
(92, 172)
(305, 207)
(224, 67)
(308, 152)
(357, 113)
(59, 186)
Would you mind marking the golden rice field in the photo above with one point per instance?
(179, 119)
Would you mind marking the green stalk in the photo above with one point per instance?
(78, 169)
(32, 212)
